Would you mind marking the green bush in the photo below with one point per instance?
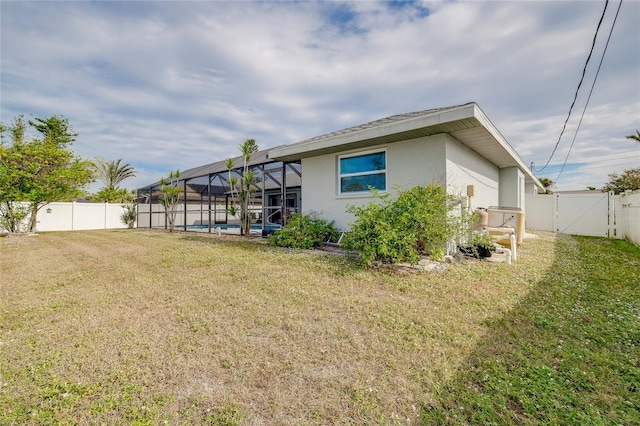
(304, 231)
(418, 222)
(129, 216)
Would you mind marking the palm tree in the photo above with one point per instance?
(242, 187)
(111, 173)
(547, 183)
(635, 137)
(170, 190)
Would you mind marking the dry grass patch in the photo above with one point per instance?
(144, 327)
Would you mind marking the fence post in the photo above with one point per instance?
(555, 212)
(611, 216)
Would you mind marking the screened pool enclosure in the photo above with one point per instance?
(205, 197)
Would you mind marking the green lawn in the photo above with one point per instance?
(568, 353)
(140, 327)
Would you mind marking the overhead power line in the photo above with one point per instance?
(575, 97)
(611, 166)
(595, 78)
(623, 155)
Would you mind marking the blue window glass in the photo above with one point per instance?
(363, 163)
(363, 182)
(359, 172)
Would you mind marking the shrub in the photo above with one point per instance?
(478, 245)
(129, 216)
(417, 223)
(304, 231)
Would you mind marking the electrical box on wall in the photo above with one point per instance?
(470, 190)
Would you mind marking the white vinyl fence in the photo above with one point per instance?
(78, 216)
(627, 216)
(594, 214)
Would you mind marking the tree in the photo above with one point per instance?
(57, 127)
(12, 213)
(111, 173)
(547, 183)
(243, 187)
(635, 137)
(113, 195)
(40, 170)
(628, 180)
(170, 197)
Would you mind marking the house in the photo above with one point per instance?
(456, 146)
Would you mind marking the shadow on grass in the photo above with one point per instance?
(567, 353)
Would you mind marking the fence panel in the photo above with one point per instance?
(629, 217)
(541, 212)
(143, 219)
(55, 217)
(88, 216)
(586, 214)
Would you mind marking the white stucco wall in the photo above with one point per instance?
(439, 158)
(409, 163)
(465, 167)
(512, 188)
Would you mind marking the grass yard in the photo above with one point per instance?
(141, 327)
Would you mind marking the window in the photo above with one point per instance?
(358, 172)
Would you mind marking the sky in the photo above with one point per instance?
(167, 85)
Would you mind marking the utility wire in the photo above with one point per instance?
(575, 97)
(595, 78)
(633, 163)
(611, 157)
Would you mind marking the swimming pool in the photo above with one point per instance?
(224, 227)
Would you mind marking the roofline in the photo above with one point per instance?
(307, 147)
(346, 138)
(487, 124)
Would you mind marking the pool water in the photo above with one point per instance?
(226, 226)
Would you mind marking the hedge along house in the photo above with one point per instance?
(456, 146)
(206, 196)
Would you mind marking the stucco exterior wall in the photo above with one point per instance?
(465, 167)
(512, 188)
(409, 163)
(439, 158)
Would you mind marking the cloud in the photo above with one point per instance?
(166, 85)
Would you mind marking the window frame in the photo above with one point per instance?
(372, 172)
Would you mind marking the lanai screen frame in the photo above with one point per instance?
(215, 198)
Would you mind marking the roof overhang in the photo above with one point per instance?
(467, 123)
